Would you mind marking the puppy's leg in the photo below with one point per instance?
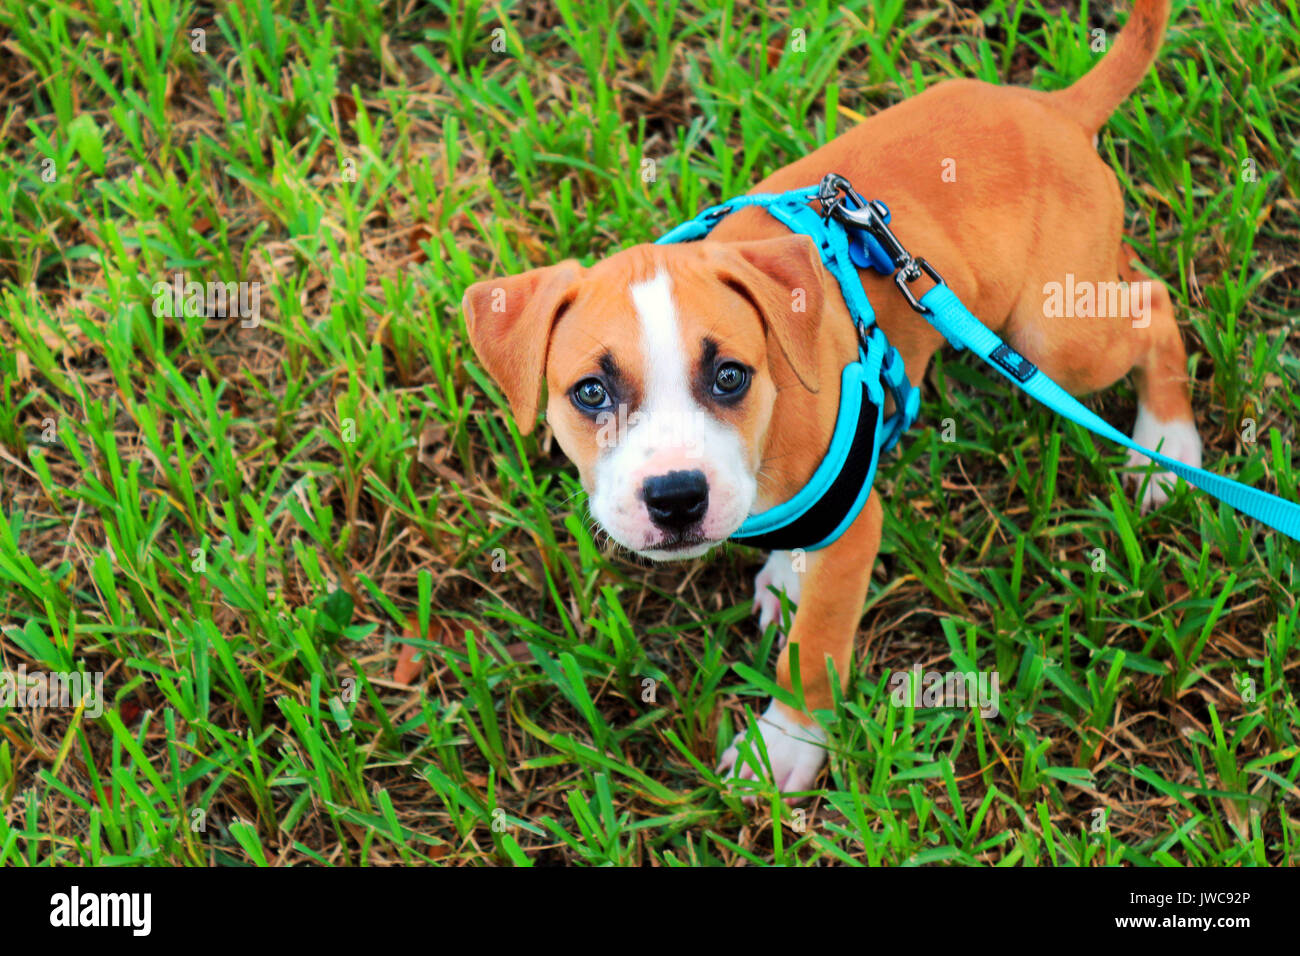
(781, 573)
(1164, 415)
(833, 591)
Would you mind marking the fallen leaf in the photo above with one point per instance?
(408, 666)
(347, 107)
(413, 239)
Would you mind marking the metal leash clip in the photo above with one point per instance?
(841, 202)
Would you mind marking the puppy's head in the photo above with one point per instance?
(662, 365)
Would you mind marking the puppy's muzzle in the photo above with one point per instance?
(676, 500)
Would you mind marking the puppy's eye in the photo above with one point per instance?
(590, 394)
(730, 379)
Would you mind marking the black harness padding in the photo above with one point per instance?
(822, 518)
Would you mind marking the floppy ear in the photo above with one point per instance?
(510, 321)
(783, 279)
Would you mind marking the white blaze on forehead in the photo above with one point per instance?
(664, 351)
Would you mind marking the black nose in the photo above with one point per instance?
(677, 499)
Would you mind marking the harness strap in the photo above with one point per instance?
(947, 314)
(832, 499)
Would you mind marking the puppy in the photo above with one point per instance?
(695, 384)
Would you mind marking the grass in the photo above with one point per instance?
(241, 524)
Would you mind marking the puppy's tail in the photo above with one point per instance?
(1098, 92)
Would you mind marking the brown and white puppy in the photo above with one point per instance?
(695, 384)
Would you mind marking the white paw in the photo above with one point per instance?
(779, 573)
(1180, 440)
(794, 749)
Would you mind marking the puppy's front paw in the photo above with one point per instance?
(1180, 440)
(779, 573)
(794, 749)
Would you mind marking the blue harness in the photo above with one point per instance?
(852, 233)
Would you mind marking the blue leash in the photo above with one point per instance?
(852, 233)
(946, 313)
